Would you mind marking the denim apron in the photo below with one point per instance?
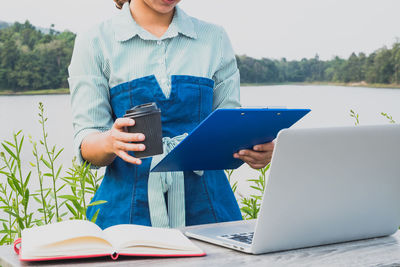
(208, 198)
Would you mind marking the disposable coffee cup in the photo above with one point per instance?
(147, 121)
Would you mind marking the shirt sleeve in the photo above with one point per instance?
(226, 78)
(90, 97)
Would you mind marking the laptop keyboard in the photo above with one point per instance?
(240, 237)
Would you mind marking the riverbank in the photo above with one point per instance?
(353, 84)
(65, 91)
(60, 91)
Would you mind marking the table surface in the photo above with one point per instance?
(383, 251)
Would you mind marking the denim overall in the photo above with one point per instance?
(208, 198)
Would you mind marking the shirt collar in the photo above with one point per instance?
(125, 26)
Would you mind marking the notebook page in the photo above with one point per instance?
(71, 247)
(129, 235)
(42, 237)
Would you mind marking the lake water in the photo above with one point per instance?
(330, 106)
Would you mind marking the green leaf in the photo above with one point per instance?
(4, 240)
(20, 144)
(58, 171)
(11, 213)
(247, 210)
(60, 188)
(28, 177)
(234, 187)
(94, 218)
(69, 197)
(71, 184)
(71, 210)
(78, 207)
(59, 152)
(99, 202)
(9, 151)
(11, 183)
(48, 192)
(46, 163)
(27, 196)
(20, 223)
(257, 188)
(9, 143)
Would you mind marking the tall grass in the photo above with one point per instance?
(78, 185)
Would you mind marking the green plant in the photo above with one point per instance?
(233, 184)
(52, 155)
(17, 181)
(251, 205)
(355, 116)
(47, 208)
(14, 189)
(83, 184)
(8, 225)
(387, 116)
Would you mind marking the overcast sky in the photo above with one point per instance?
(259, 28)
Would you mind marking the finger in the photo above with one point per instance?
(129, 146)
(256, 166)
(128, 158)
(120, 123)
(253, 154)
(128, 137)
(249, 160)
(255, 161)
(264, 147)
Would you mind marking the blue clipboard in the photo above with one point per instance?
(210, 146)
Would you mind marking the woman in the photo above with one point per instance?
(153, 52)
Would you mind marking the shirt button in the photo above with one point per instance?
(159, 42)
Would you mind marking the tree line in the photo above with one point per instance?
(381, 66)
(32, 59)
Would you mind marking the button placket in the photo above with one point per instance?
(164, 81)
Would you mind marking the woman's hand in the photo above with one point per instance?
(101, 148)
(257, 158)
(120, 142)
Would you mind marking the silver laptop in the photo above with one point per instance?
(325, 185)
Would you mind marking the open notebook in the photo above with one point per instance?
(84, 239)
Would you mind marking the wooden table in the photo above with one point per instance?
(384, 251)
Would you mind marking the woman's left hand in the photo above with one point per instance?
(257, 158)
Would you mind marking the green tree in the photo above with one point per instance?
(396, 62)
(30, 59)
(382, 68)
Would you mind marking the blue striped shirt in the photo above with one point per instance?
(119, 50)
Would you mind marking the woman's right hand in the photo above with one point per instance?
(121, 142)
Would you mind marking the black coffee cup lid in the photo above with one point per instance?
(143, 109)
